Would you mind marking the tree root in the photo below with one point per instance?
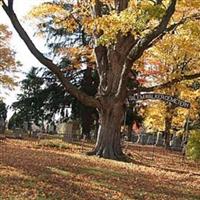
(114, 156)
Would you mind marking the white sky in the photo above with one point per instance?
(21, 7)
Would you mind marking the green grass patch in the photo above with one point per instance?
(101, 172)
(59, 171)
(54, 143)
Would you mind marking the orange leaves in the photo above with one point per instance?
(78, 56)
(46, 9)
(29, 171)
(60, 16)
(7, 58)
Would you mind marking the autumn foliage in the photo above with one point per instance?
(32, 170)
(8, 63)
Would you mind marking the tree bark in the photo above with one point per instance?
(108, 139)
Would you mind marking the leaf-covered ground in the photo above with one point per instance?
(58, 171)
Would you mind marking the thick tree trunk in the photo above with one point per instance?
(130, 130)
(108, 139)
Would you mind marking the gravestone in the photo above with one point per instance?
(176, 143)
(70, 130)
(18, 133)
(25, 126)
(51, 128)
(142, 138)
(2, 125)
(35, 130)
(76, 130)
(151, 139)
(134, 138)
(159, 139)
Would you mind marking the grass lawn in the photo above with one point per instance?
(53, 170)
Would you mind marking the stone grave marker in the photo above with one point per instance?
(151, 139)
(25, 126)
(176, 143)
(159, 139)
(70, 130)
(142, 138)
(18, 133)
(2, 125)
(134, 138)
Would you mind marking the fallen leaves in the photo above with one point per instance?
(29, 170)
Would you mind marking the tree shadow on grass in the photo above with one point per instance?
(59, 175)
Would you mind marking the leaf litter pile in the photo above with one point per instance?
(54, 170)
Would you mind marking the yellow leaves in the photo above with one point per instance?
(153, 11)
(190, 3)
(60, 16)
(179, 53)
(8, 64)
(78, 56)
(191, 29)
(137, 18)
(154, 116)
(46, 9)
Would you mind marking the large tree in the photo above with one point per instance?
(121, 30)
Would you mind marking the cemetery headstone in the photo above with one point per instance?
(18, 133)
(142, 138)
(70, 130)
(25, 126)
(176, 143)
(159, 139)
(2, 125)
(151, 139)
(35, 130)
(134, 138)
(51, 128)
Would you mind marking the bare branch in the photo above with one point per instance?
(173, 27)
(10, 4)
(144, 42)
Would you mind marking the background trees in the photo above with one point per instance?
(174, 58)
(121, 31)
(8, 63)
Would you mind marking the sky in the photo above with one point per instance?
(21, 8)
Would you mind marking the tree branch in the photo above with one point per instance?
(170, 83)
(174, 26)
(143, 44)
(81, 96)
(10, 4)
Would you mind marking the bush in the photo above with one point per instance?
(193, 147)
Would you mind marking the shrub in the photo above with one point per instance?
(193, 147)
